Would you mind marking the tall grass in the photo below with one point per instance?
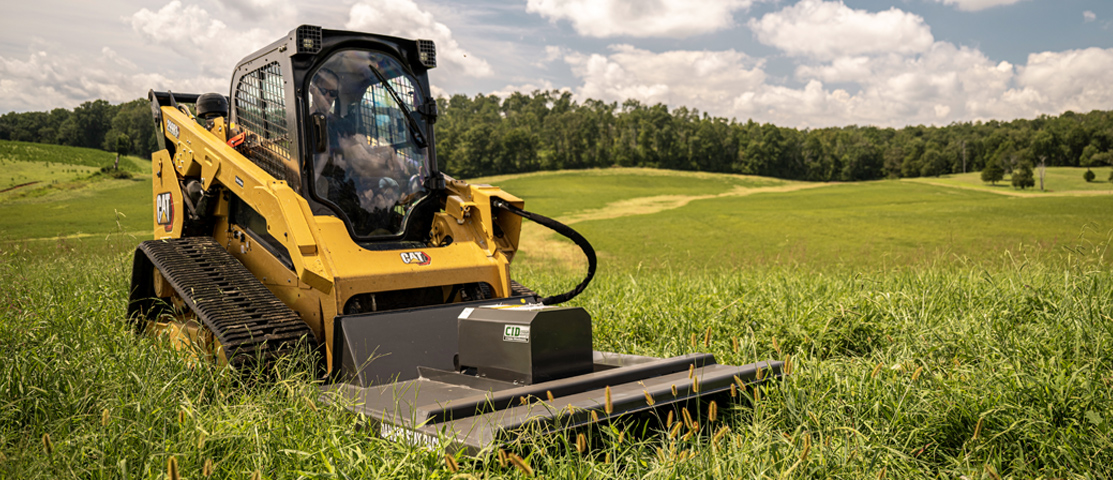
(954, 370)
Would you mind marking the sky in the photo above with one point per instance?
(794, 63)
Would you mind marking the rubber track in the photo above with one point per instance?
(248, 320)
(519, 290)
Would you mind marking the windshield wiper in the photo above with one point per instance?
(415, 130)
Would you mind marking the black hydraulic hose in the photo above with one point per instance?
(562, 229)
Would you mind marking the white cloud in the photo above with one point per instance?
(696, 79)
(943, 84)
(405, 19)
(641, 18)
(915, 84)
(975, 5)
(1071, 80)
(1089, 16)
(829, 30)
(47, 80)
(193, 33)
(270, 10)
(527, 88)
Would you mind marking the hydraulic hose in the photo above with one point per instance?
(562, 229)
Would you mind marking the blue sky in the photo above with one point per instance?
(798, 63)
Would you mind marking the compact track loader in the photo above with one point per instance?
(306, 206)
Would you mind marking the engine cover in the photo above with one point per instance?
(525, 344)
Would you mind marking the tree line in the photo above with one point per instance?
(549, 130)
(125, 127)
(486, 135)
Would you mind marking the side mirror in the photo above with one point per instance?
(319, 126)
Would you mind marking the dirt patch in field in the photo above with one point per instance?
(660, 203)
(542, 244)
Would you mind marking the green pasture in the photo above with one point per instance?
(871, 224)
(64, 155)
(38, 174)
(1056, 180)
(68, 197)
(936, 372)
(933, 332)
(559, 193)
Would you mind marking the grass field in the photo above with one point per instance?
(1057, 180)
(933, 332)
(64, 198)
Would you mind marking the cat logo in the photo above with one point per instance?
(419, 258)
(164, 210)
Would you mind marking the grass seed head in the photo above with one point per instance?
(105, 417)
(675, 430)
(172, 469)
(720, 434)
(450, 462)
(733, 391)
(181, 416)
(520, 464)
(977, 428)
(48, 446)
(758, 374)
(712, 411)
(875, 370)
(648, 398)
(207, 469)
(502, 458)
(693, 340)
(691, 370)
(201, 441)
(807, 447)
(594, 416)
(734, 343)
(687, 417)
(549, 394)
(776, 346)
(608, 405)
(917, 373)
(695, 384)
(674, 392)
(581, 443)
(621, 436)
(707, 337)
(312, 405)
(788, 364)
(668, 423)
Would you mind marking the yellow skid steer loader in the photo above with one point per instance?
(307, 206)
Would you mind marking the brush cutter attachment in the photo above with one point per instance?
(514, 369)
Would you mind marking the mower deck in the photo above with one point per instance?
(446, 409)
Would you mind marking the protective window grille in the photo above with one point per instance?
(382, 118)
(261, 110)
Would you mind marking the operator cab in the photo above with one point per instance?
(371, 161)
(345, 118)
